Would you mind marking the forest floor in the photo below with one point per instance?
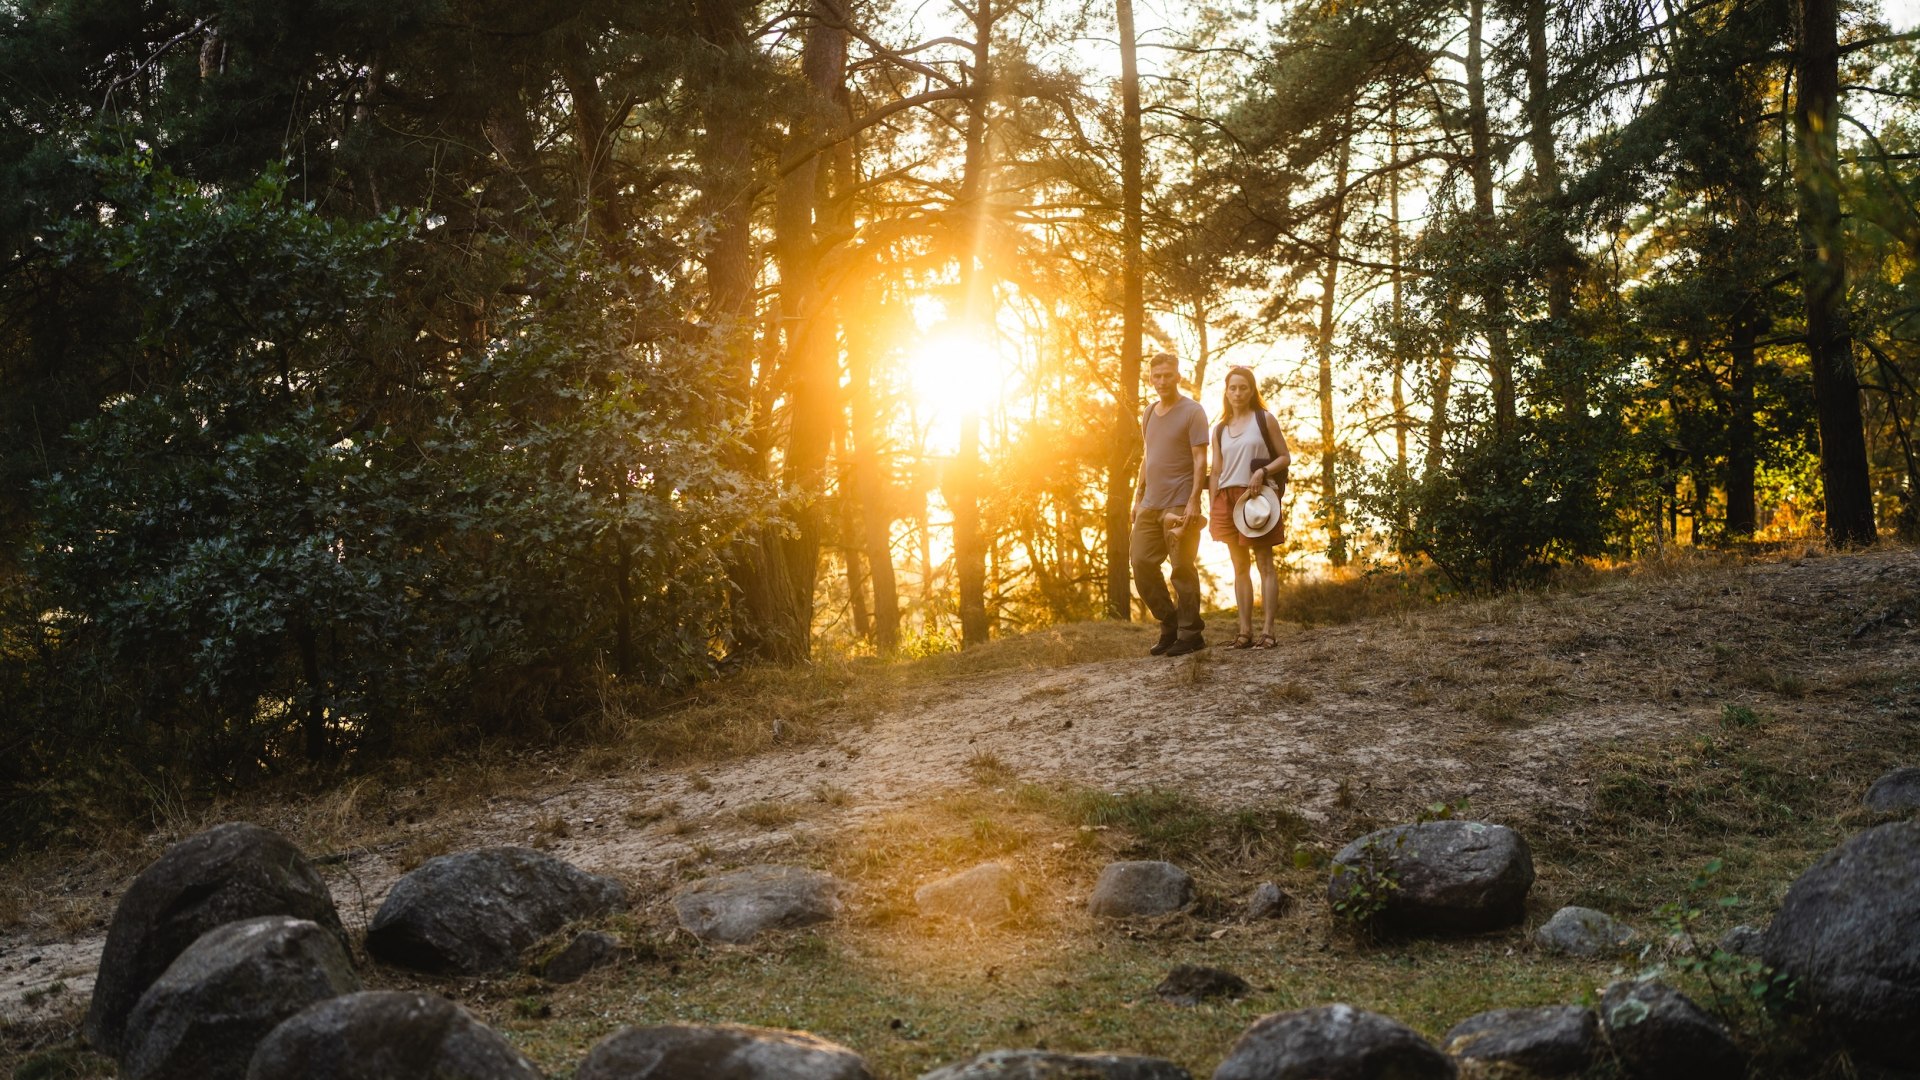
(1633, 725)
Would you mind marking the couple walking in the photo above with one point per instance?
(1248, 474)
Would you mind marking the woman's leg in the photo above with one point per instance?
(1242, 586)
(1269, 588)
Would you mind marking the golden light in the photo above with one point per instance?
(954, 372)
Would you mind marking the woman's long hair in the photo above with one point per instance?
(1226, 403)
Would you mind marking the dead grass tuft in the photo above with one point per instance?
(768, 814)
(431, 846)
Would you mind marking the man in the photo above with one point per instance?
(1166, 509)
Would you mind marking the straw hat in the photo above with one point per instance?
(1259, 514)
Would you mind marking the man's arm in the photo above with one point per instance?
(1199, 478)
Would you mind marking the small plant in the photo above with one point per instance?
(1445, 811)
(988, 770)
(1740, 986)
(832, 795)
(1366, 885)
(1740, 716)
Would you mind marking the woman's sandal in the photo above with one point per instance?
(1265, 641)
(1242, 641)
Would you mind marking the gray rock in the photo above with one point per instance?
(387, 1035)
(205, 1014)
(1129, 889)
(584, 953)
(1333, 1042)
(1743, 940)
(1269, 901)
(1659, 1034)
(1897, 792)
(719, 1052)
(1190, 984)
(988, 893)
(475, 911)
(1435, 875)
(1582, 931)
(1848, 932)
(229, 872)
(1046, 1065)
(1557, 1040)
(738, 906)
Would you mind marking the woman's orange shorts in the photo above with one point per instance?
(1221, 527)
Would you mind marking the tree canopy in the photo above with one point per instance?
(376, 369)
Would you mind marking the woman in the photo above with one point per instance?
(1249, 456)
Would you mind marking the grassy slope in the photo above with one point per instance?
(1805, 711)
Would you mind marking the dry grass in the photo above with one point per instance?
(769, 814)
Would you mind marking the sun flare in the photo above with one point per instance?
(954, 372)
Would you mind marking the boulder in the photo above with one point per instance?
(1046, 1065)
(1129, 889)
(1435, 875)
(1743, 940)
(587, 951)
(738, 906)
(1898, 792)
(387, 1035)
(1190, 984)
(1557, 1040)
(1659, 1034)
(1848, 932)
(1333, 1042)
(1582, 931)
(203, 1016)
(476, 911)
(718, 1052)
(988, 893)
(1269, 901)
(227, 873)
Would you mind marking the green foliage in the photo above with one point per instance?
(266, 549)
(1742, 988)
(1498, 513)
(1367, 883)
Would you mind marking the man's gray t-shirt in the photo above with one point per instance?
(1170, 440)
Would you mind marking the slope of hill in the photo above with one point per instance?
(1633, 727)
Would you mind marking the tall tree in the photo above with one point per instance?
(1836, 389)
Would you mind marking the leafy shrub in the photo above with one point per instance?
(315, 526)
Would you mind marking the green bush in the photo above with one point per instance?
(306, 533)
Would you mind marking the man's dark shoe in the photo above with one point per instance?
(1186, 645)
(1168, 635)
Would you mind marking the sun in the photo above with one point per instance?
(954, 372)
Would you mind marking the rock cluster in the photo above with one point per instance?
(226, 959)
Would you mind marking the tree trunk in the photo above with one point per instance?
(1560, 257)
(1494, 298)
(1396, 279)
(1330, 505)
(871, 490)
(1836, 390)
(1741, 441)
(962, 487)
(1124, 458)
(764, 620)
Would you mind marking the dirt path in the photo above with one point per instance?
(1498, 701)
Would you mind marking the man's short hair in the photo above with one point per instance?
(1162, 358)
